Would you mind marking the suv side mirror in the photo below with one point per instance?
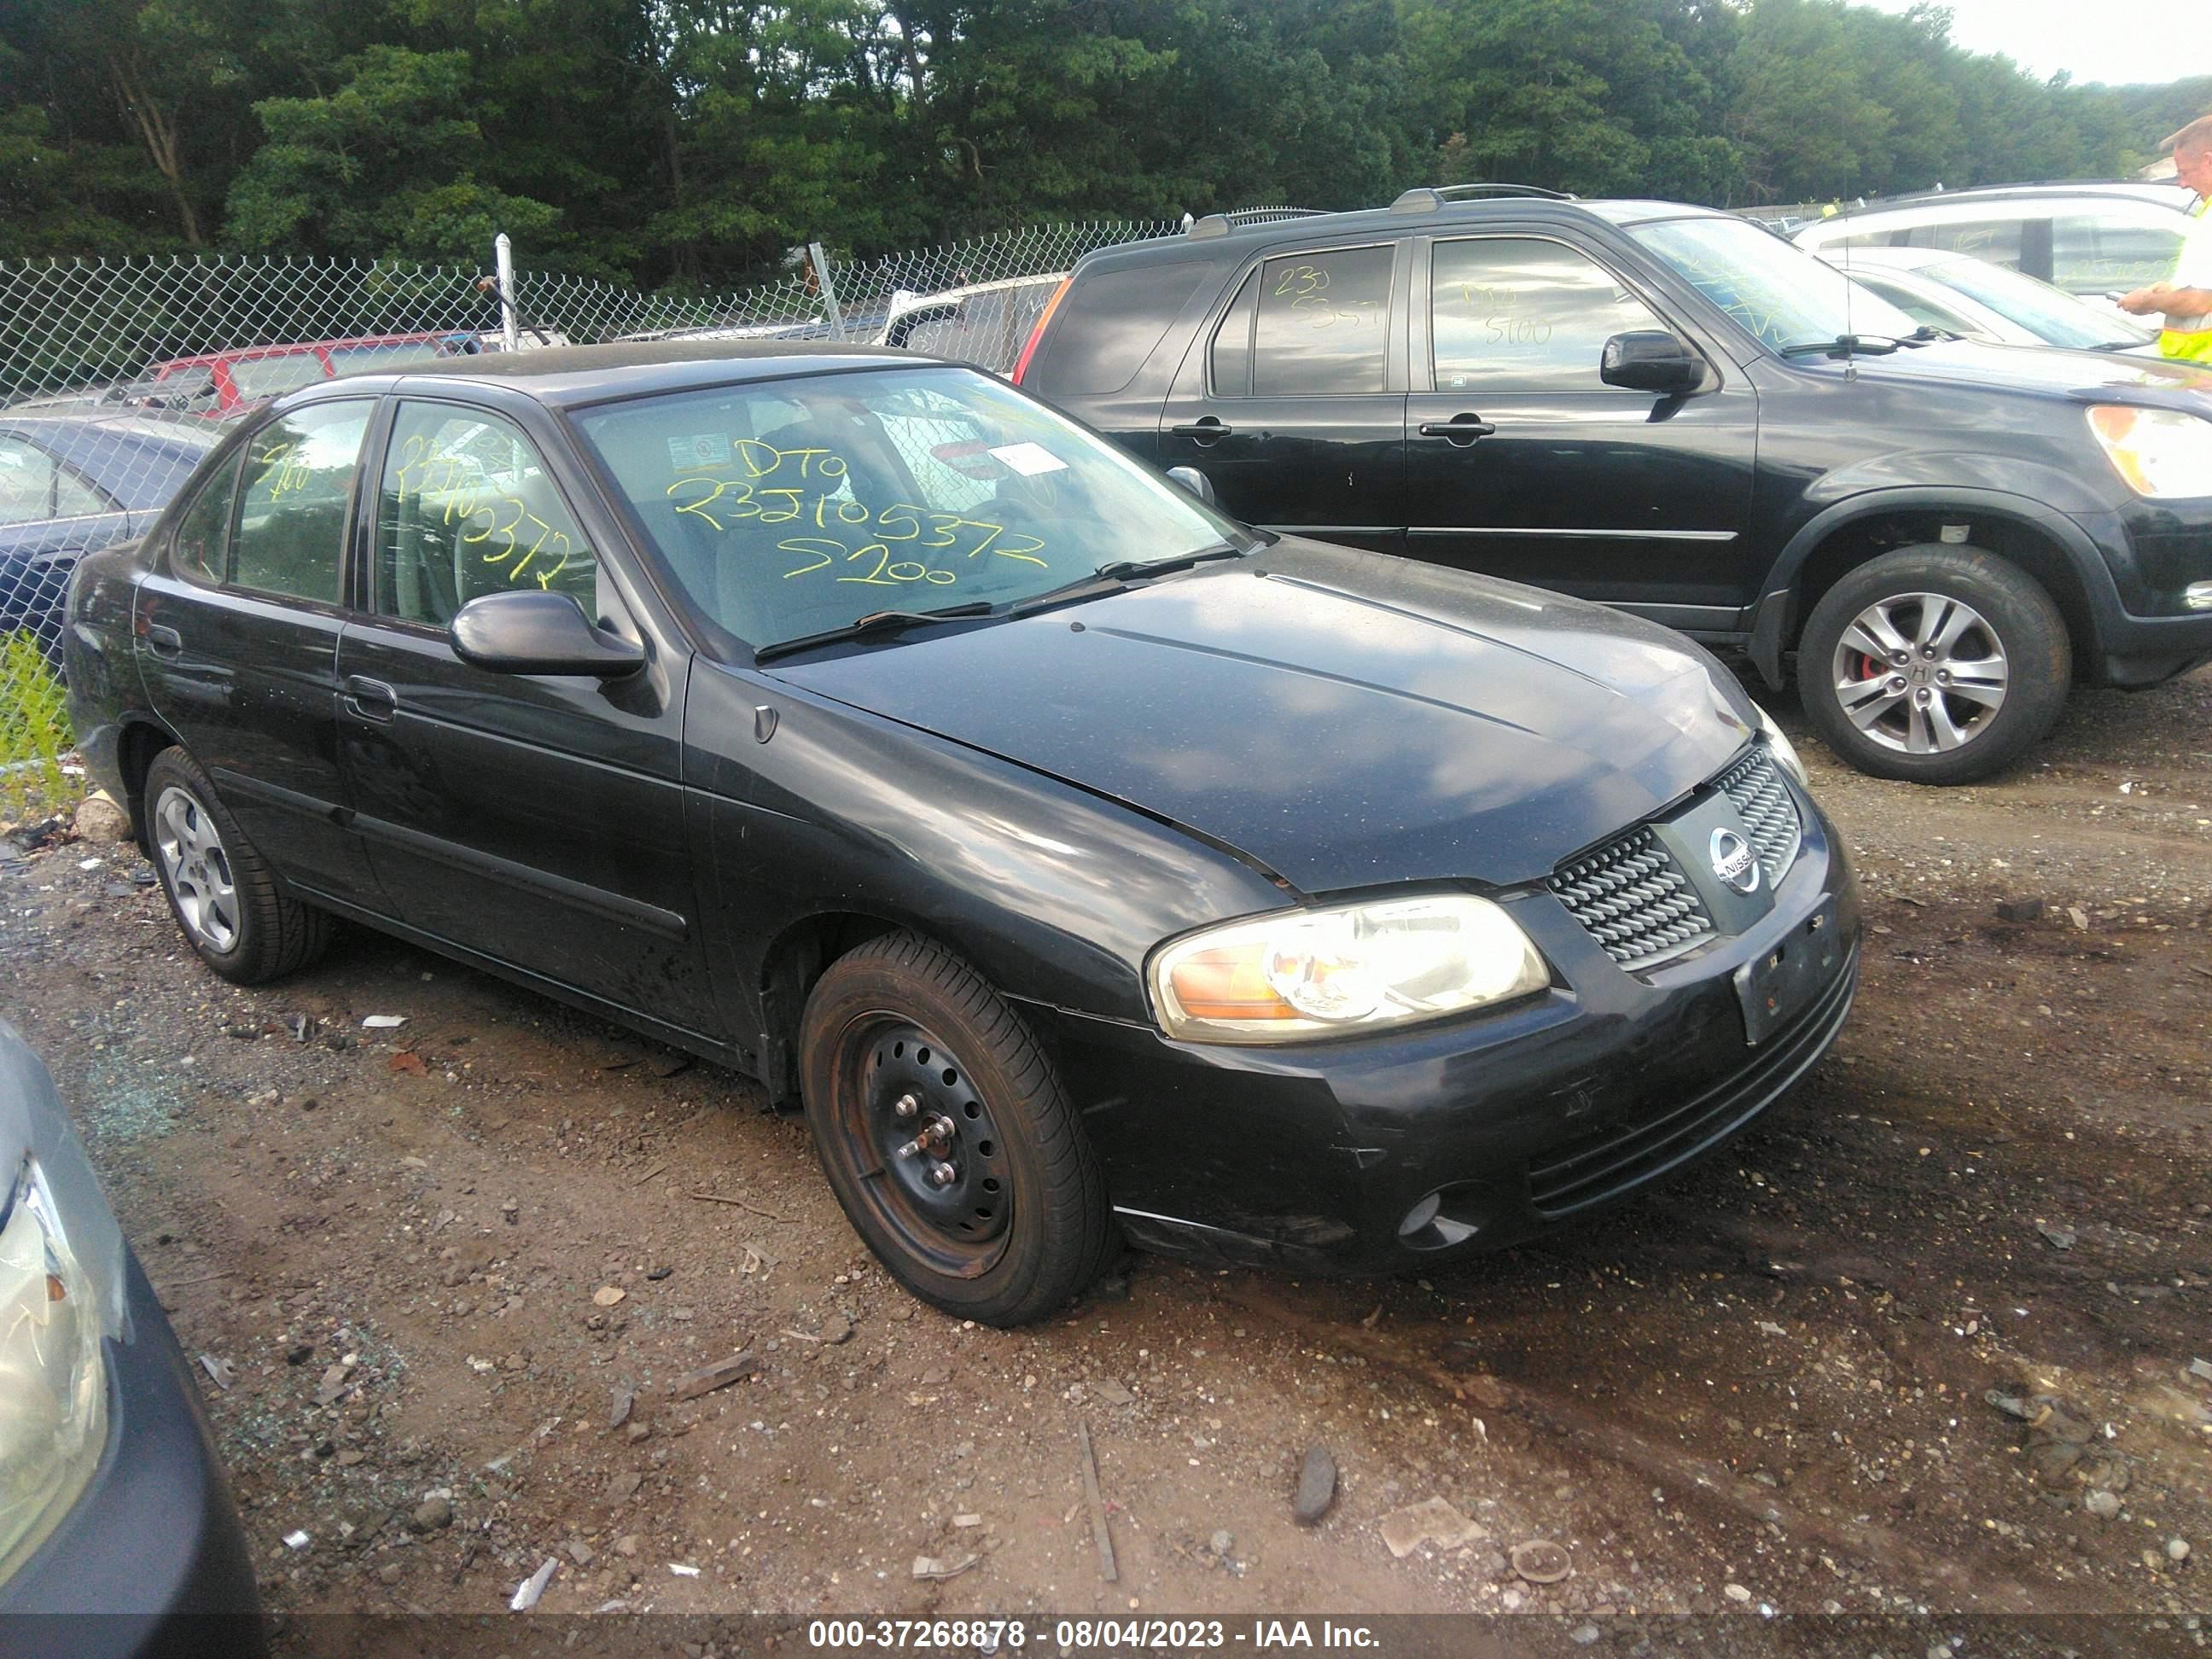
(532, 632)
(1194, 481)
(1651, 360)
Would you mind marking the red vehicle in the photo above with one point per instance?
(221, 384)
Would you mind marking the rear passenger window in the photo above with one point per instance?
(1994, 241)
(1109, 324)
(199, 551)
(292, 509)
(467, 508)
(1320, 323)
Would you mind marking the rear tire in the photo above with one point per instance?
(228, 903)
(1000, 1215)
(1934, 664)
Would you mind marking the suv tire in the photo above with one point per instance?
(228, 903)
(1934, 665)
(901, 1041)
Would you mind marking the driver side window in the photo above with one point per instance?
(1522, 314)
(467, 507)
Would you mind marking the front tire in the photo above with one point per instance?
(1934, 664)
(946, 1136)
(228, 903)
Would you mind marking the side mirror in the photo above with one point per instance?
(526, 631)
(1196, 481)
(1651, 360)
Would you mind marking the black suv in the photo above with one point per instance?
(1667, 409)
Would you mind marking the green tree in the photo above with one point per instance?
(385, 165)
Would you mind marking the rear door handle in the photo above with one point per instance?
(164, 640)
(1460, 431)
(372, 699)
(1206, 430)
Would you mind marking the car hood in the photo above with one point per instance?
(1343, 719)
(2086, 376)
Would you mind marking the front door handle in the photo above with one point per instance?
(372, 699)
(1460, 431)
(164, 640)
(1206, 430)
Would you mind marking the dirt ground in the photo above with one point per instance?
(433, 1259)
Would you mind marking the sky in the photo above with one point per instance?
(2112, 40)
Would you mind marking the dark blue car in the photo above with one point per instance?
(71, 483)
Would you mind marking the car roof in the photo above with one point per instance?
(1889, 258)
(561, 376)
(2150, 194)
(140, 459)
(1210, 237)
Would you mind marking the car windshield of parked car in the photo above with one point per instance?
(790, 508)
(2046, 311)
(1778, 291)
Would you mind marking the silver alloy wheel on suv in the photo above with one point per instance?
(1920, 672)
(200, 877)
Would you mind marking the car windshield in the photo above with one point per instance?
(793, 506)
(1775, 290)
(2047, 312)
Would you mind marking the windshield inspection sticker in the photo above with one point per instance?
(1031, 460)
(705, 449)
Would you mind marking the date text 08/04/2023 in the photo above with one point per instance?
(1089, 1635)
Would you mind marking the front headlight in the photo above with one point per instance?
(1784, 751)
(1304, 974)
(2161, 453)
(53, 1379)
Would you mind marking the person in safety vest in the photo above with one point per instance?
(2187, 299)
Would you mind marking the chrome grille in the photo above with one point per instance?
(1770, 813)
(1633, 899)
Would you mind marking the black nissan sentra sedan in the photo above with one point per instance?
(1086, 863)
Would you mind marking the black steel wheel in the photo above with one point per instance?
(227, 901)
(946, 1136)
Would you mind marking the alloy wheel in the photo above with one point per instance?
(197, 868)
(1920, 673)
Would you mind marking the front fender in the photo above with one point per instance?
(1776, 617)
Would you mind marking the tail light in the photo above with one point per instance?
(1022, 363)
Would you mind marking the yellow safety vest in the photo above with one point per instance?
(2192, 342)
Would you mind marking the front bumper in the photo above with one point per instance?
(151, 1559)
(2154, 552)
(1314, 1157)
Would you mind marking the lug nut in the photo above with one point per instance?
(906, 1106)
(909, 1149)
(940, 1174)
(1896, 683)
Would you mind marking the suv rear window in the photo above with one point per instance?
(1109, 324)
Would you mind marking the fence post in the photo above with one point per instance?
(821, 263)
(503, 258)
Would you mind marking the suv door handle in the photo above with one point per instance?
(1205, 431)
(1460, 431)
(164, 640)
(372, 699)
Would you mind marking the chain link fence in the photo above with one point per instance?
(118, 375)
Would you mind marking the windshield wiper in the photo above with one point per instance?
(1869, 346)
(876, 621)
(1929, 334)
(1115, 575)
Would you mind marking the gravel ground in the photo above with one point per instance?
(456, 1270)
